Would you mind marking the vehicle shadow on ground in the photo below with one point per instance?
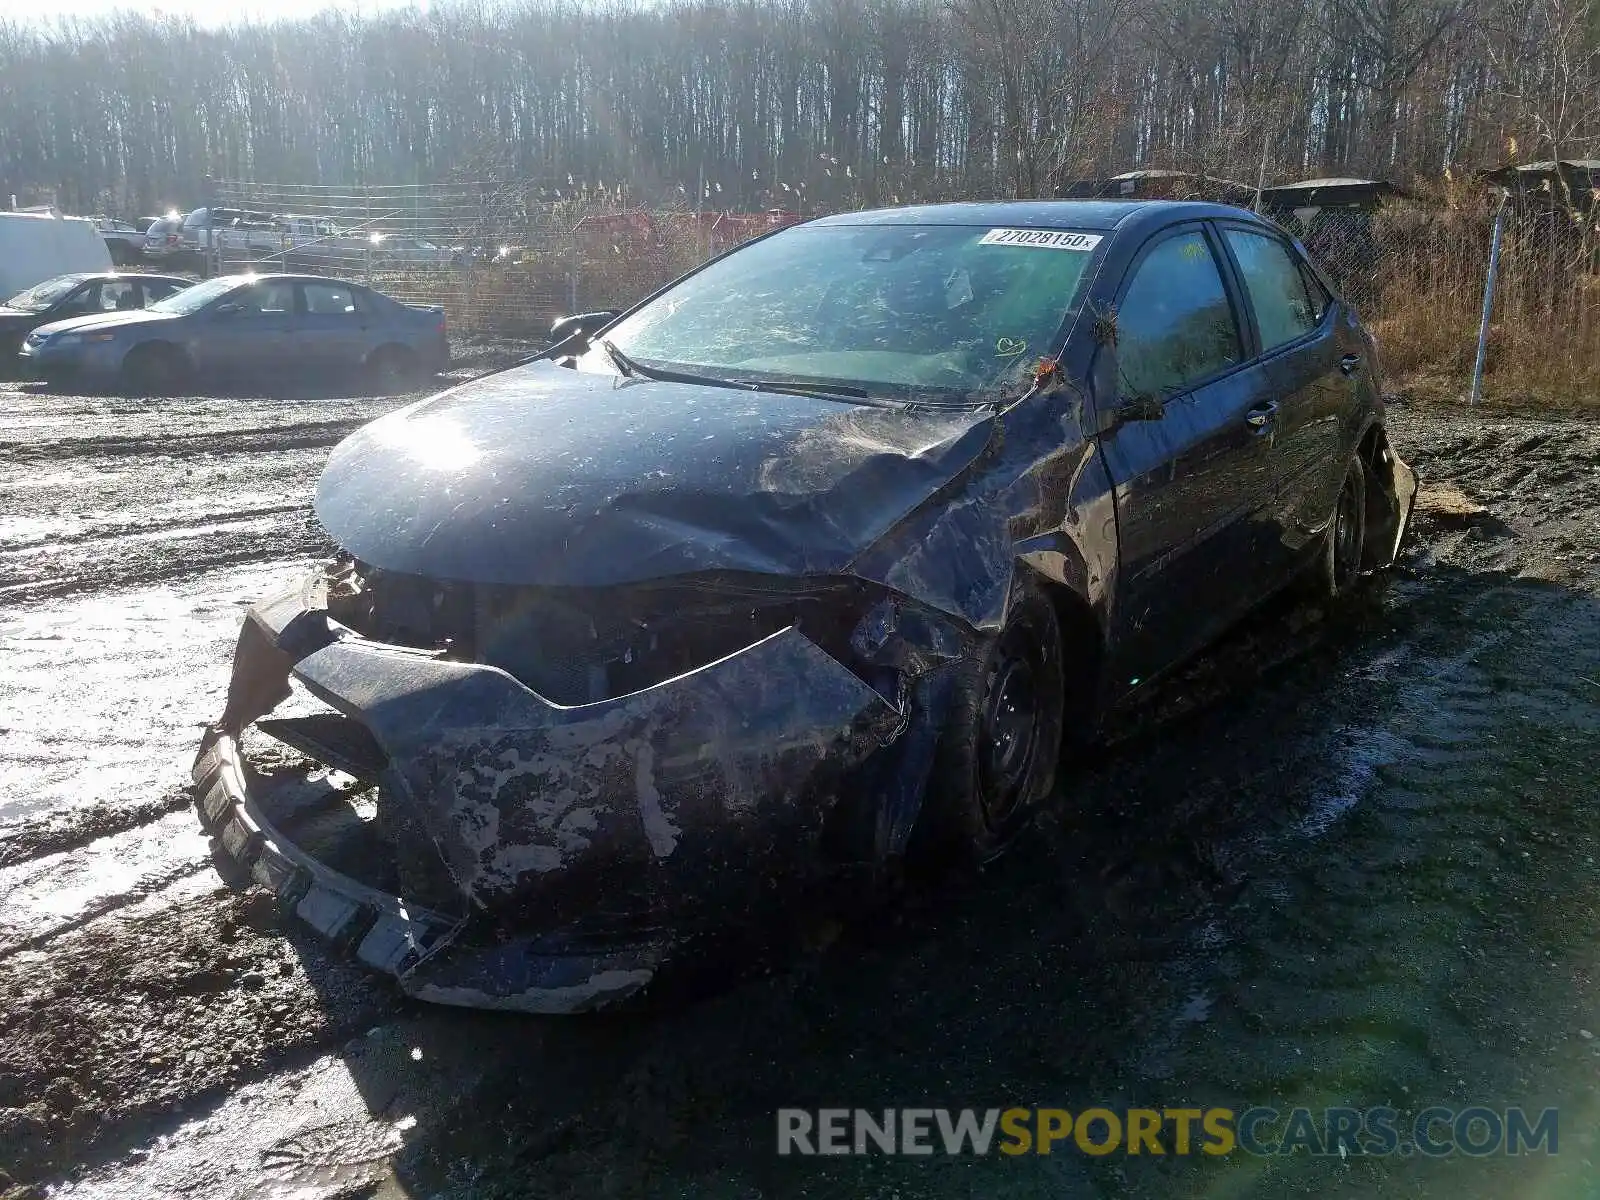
(1108, 961)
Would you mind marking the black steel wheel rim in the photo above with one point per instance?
(1346, 539)
(1009, 733)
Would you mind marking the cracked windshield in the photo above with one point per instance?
(936, 311)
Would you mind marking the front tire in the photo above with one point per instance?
(155, 370)
(1001, 745)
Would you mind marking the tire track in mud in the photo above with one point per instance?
(32, 838)
(75, 516)
(176, 1000)
(142, 558)
(1381, 951)
(45, 897)
(186, 526)
(178, 990)
(308, 435)
(104, 698)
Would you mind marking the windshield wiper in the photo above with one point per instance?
(632, 369)
(618, 359)
(843, 391)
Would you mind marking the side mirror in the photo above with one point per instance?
(582, 325)
(1111, 407)
(227, 310)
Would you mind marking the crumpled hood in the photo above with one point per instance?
(16, 318)
(109, 320)
(543, 475)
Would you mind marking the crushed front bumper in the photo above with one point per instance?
(681, 797)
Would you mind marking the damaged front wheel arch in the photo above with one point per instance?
(1001, 743)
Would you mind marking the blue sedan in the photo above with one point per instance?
(243, 326)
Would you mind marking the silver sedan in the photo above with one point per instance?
(245, 326)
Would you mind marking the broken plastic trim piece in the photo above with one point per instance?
(376, 929)
(332, 739)
(415, 945)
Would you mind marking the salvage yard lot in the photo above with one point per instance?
(1333, 865)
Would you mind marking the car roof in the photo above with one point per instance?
(1044, 214)
(85, 276)
(288, 277)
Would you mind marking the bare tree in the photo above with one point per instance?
(800, 103)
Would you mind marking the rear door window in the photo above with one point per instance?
(1175, 325)
(157, 289)
(329, 300)
(1320, 298)
(1284, 308)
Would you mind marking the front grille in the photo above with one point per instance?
(583, 645)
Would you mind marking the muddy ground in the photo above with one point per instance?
(1336, 863)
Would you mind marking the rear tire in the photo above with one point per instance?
(1339, 571)
(393, 369)
(1001, 745)
(155, 370)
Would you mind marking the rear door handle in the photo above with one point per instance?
(1350, 364)
(1261, 415)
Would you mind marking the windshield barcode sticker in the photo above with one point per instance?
(1048, 239)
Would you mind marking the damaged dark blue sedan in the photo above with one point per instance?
(835, 542)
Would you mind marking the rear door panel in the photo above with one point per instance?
(1303, 371)
(331, 333)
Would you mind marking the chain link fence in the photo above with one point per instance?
(1416, 273)
(506, 259)
(500, 258)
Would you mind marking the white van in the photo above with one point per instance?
(39, 246)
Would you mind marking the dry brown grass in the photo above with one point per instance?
(1544, 336)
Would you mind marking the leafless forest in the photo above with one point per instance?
(807, 104)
